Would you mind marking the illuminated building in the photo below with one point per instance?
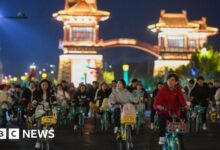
(80, 42)
(179, 38)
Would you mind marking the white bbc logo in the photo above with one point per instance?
(12, 133)
(3, 133)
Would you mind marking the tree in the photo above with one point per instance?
(207, 61)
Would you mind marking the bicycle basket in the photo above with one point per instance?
(93, 106)
(176, 127)
(199, 108)
(128, 114)
(128, 119)
(80, 109)
(105, 103)
(48, 120)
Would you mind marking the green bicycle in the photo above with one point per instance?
(173, 130)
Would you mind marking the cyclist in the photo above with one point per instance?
(153, 112)
(133, 85)
(102, 93)
(5, 101)
(82, 99)
(117, 98)
(113, 86)
(62, 96)
(43, 102)
(141, 95)
(200, 95)
(169, 100)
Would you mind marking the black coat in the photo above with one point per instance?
(101, 95)
(81, 98)
(200, 94)
(50, 97)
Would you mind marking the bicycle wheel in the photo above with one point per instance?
(106, 119)
(47, 145)
(176, 144)
(120, 145)
(128, 141)
(197, 123)
(42, 146)
(19, 117)
(138, 125)
(81, 123)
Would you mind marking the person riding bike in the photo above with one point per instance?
(45, 99)
(200, 95)
(117, 98)
(102, 93)
(34, 93)
(5, 101)
(169, 101)
(141, 95)
(153, 112)
(81, 99)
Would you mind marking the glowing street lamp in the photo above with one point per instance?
(15, 79)
(125, 68)
(204, 51)
(44, 75)
(33, 66)
(23, 78)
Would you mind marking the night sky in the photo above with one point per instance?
(36, 39)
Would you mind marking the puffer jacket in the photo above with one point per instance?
(122, 97)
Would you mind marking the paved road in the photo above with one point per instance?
(147, 140)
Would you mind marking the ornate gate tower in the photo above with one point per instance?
(80, 61)
(178, 39)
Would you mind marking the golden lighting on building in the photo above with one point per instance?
(179, 38)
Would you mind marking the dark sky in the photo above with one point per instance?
(36, 39)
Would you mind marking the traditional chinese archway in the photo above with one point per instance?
(178, 39)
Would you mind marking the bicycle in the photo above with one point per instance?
(47, 121)
(156, 122)
(71, 113)
(59, 110)
(198, 110)
(127, 121)
(105, 114)
(20, 109)
(139, 115)
(81, 110)
(212, 112)
(93, 113)
(105, 119)
(173, 130)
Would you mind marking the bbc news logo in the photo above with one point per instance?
(14, 134)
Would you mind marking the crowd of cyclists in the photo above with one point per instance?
(166, 99)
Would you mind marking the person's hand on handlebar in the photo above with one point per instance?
(161, 108)
(54, 103)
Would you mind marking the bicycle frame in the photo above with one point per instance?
(199, 110)
(81, 111)
(173, 130)
(105, 119)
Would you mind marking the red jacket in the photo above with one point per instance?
(172, 100)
